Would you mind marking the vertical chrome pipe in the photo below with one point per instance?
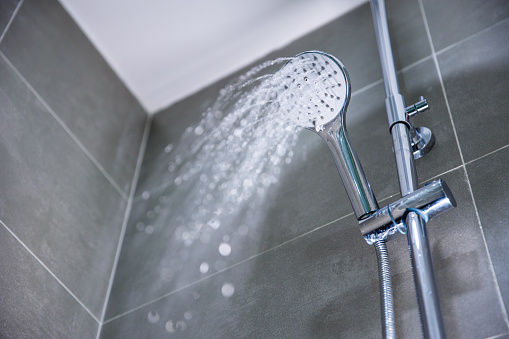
(426, 289)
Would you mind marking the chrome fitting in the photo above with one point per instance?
(433, 199)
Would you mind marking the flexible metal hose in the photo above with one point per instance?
(386, 300)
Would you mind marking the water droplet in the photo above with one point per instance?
(188, 315)
(149, 229)
(153, 317)
(218, 115)
(214, 223)
(225, 249)
(178, 181)
(145, 195)
(204, 267)
(168, 148)
(227, 290)
(169, 326)
(140, 226)
(198, 130)
(181, 325)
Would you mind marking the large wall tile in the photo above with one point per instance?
(454, 20)
(476, 77)
(56, 58)
(488, 177)
(34, 304)
(53, 197)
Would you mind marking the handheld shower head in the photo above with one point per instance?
(317, 90)
(315, 94)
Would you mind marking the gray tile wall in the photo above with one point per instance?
(70, 138)
(304, 271)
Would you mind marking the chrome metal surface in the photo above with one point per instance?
(386, 299)
(316, 95)
(433, 199)
(418, 107)
(427, 293)
(423, 141)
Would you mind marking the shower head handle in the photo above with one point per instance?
(316, 95)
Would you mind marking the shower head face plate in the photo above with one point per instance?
(315, 90)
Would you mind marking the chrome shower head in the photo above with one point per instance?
(315, 93)
(316, 90)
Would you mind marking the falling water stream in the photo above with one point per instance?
(219, 175)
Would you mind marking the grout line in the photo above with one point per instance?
(139, 162)
(437, 66)
(367, 87)
(498, 336)
(418, 62)
(49, 271)
(67, 129)
(445, 49)
(226, 269)
(441, 174)
(487, 154)
(14, 14)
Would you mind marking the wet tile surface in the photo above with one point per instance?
(34, 304)
(452, 21)
(293, 291)
(53, 197)
(476, 81)
(56, 58)
(488, 177)
(7, 8)
(325, 284)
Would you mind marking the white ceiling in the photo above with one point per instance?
(165, 50)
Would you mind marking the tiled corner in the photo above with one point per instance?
(296, 290)
(467, 290)
(53, 197)
(282, 215)
(34, 304)
(56, 58)
(7, 8)
(488, 177)
(476, 77)
(454, 20)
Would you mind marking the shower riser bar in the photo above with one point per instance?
(426, 289)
